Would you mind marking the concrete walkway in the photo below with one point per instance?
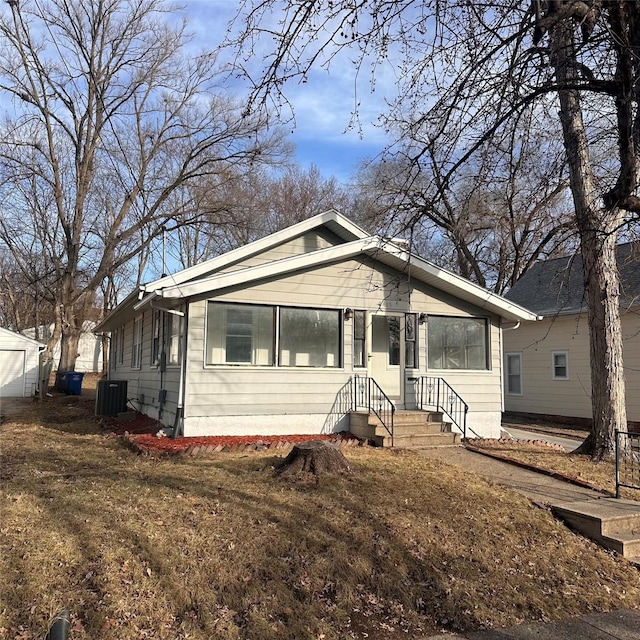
(623, 625)
(620, 625)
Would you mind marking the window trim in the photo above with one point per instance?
(357, 341)
(241, 365)
(275, 342)
(120, 354)
(560, 352)
(488, 367)
(412, 341)
(517, 354)
(136, 346)
(157, 326)
(169, 320)
(278, 329)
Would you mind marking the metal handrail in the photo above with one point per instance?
(437, 393)
(367, 394)
(627, 461)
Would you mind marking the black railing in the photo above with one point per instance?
(627, 461)
(367, 394)
(436, 393)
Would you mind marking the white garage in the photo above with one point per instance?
(19, 365)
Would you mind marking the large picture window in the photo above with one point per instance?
(309, 338)
(239, 334)
(457, 343)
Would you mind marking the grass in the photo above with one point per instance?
(217, 547)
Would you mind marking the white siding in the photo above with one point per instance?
(307, 396)
(144, 383)
(571, 398)
(19, 364)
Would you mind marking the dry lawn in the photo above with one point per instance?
(218, 547)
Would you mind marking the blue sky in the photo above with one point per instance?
(322, 105)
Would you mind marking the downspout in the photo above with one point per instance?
(163, 356)
(178, 425)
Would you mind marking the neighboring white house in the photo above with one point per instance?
(267, 338)
(89, 347)
(547, 363)
(19, 365)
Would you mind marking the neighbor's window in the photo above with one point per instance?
(239, 334)
(136, 352)
(359, 339)
(309, 338)
(514, 374)
(457, 343)
(560, 363)
(410, 342)
(174, 327)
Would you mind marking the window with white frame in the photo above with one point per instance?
(239, 334)
(410, 340)
(359, 339)
(120, 345)
(136, 350)
(457, 343)
(514, 374)
(156, 336)
(174, 327)
(309, 337)
(560, 365)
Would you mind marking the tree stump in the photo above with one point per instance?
(316, 457)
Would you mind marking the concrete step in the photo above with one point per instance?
(411, 429)
(626, 544)
(613, 523)
(422, 440)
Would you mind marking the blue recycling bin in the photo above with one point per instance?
(74, 383)
(70, 382)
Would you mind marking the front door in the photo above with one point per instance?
(385, 355)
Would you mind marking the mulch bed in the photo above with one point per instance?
(139, 433)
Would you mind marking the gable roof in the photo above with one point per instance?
(20, 336)
(556, 286)
(212, 276)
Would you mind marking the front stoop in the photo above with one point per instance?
(413, 429)
(611, 522)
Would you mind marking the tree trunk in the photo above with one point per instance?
(315, 457)
(597, 227)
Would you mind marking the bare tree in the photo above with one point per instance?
(252, 204)
(110, 117)
(468, 70)
(490, 224)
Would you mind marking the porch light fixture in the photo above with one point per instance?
(348, 314)
(422, 318)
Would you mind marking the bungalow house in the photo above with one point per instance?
(19, 365)
(547, 363)
(287, 334)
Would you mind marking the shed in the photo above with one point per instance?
(19, 364)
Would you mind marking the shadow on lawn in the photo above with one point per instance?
(281, 533)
